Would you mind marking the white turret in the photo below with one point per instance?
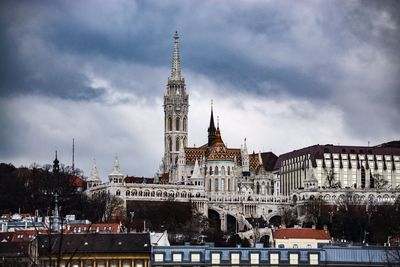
(116, 176)
(197, 178)
(94, 179)
(245, 158)
(181, 168)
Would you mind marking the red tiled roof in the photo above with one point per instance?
(301, 233)
(77, 181)
(138, 180)
(26, 235)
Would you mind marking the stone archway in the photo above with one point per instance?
(231, 222)
(214, 218)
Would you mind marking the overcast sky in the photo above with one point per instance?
(283, 74)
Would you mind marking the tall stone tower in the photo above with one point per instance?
(176, 107)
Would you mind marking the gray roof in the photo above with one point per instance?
(94, 243)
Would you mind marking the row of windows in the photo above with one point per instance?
(98, 263)
(177, 124)
(178, 141)
(183, 194)
(219, 171)
(235, 258)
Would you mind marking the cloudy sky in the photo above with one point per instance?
(283, 74)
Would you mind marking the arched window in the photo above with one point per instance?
(263, 188)
(216, 170)
(222, 188)
(210, 173)
(222, 170)
(169, 123)
(216, 185)
(229, 184)
(177, 144)
(177, 124)
(229, 170)
(209, 185)
(128, 193)
(169, 143)
(184, 123)
(118, 193)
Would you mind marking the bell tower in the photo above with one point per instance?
(176, 107)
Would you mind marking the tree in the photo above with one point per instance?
(379, 181)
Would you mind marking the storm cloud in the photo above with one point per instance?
(284, 74)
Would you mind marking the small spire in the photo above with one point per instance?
(56, 166)
(94, 173)
(116, 167)
(176, 62)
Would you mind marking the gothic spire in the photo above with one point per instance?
(211, 129)
(176, 62)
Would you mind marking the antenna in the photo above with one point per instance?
(73, 154)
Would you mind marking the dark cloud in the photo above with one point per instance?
(341, 55)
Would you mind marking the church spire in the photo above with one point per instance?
(176, 62)
(211, 129)
(56, 165)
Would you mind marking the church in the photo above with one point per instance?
(232, 182)
(213, 166)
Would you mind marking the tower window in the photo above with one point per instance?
(184, 124)
(177, 144)
(170, 143)
(170, 124)
(216, 170)
(177, 124)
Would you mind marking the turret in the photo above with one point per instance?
(116, 176)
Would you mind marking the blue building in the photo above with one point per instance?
(326, 256)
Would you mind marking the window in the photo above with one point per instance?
(195, 257)
(118, 193)
(177, 144)
(222, 170)
(177, 124)
(314, 259)
(235, 258)
(170, 143)
(274, 258)
(176, 257)
(216, 170)
(216, 185)
(293, 258)
(138, 263)
(229, 170)
(158, 257)
(170, 124)
(254, 258)
(215, 258)
(184, 124)
(222, 188)
(210, 170)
